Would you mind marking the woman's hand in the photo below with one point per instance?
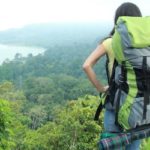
(103, 89)
(106, 88)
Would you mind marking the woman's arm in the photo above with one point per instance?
(88, 67)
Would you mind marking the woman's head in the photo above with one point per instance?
(127, 9)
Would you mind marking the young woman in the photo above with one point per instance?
(126, 9)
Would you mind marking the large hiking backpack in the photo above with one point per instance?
(129, 91)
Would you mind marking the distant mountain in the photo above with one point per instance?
(51, 34)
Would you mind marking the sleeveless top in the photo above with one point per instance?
(108, 47)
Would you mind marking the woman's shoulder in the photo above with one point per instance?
(108, 40)
(107, 43)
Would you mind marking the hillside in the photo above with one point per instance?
(51, 34)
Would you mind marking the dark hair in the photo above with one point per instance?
(126, 9)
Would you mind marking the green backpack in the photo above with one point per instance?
(129, 91)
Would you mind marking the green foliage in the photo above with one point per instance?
(55, 60)
(8, 92)
(38, 116)
(6, 134)
(56, 89)
(145, 144)
(38, 88)
(18, 124)
(73, 128)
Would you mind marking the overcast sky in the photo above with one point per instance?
(17, 13)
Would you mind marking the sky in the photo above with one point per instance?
(18, 13)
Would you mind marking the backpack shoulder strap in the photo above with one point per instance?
(105, 97)
(107, 70)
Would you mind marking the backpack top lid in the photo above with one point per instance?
(130, 32)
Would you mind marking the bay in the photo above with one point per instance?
(9, 51)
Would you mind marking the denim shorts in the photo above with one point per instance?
(109, 125)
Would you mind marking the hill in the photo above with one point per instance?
(51, 34)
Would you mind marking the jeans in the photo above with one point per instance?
(109, 125)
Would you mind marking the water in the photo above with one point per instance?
(9, 51)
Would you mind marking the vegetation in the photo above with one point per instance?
(70, 126)
(47, 102)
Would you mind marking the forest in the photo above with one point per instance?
(47, 102)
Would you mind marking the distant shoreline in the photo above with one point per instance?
(8, 51)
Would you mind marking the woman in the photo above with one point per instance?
(126, 9)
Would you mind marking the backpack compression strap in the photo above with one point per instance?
(146, 87)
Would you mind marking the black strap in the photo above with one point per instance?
(113, 73)
(98, 111)
(99, 108)
(146, 87)
(107, 70)
(139, 128)
(112, 84)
